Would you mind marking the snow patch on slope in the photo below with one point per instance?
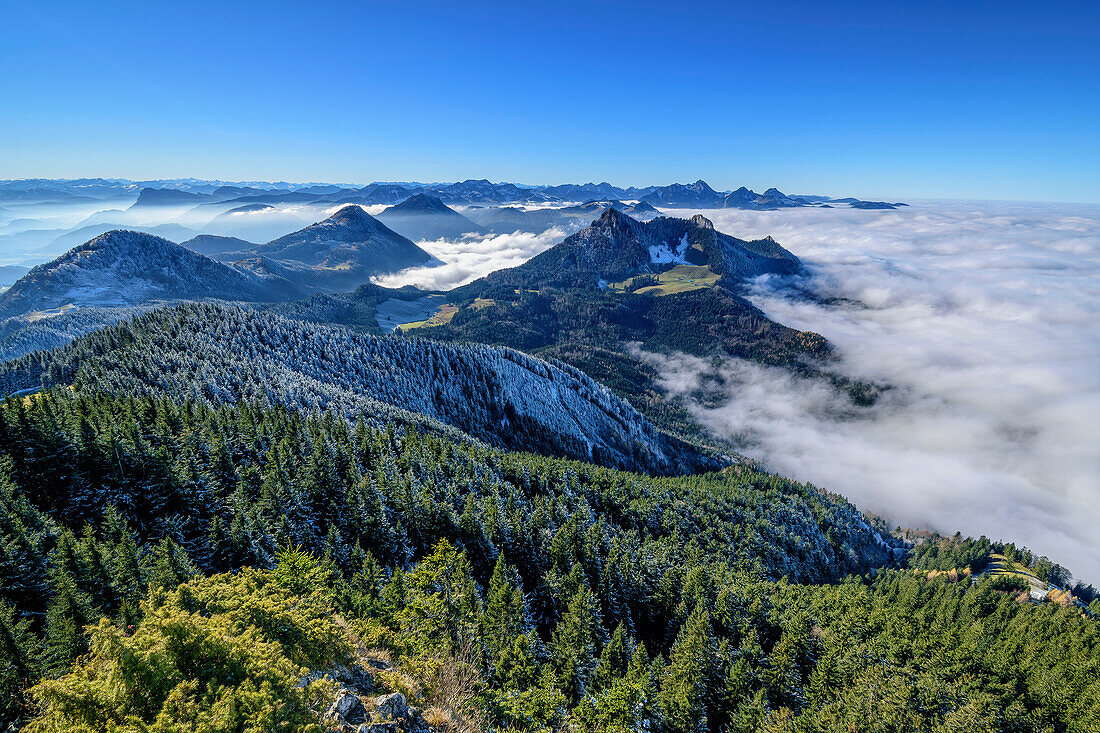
(662, 254)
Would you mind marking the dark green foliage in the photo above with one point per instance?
(704, 322)
(575, 596)
(355, 310)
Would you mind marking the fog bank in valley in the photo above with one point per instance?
(985, 319)
(473, 256)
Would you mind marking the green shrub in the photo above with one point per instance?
(221, 654)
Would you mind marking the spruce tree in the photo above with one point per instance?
(574, 644)
(689, 675)
(505, 614)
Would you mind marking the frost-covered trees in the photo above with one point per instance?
(502, 397)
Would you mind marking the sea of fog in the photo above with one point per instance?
(985, 320)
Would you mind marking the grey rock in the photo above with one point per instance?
(347, 708)
(390, 727)
(391, 706)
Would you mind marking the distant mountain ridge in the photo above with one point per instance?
(426, 217)
(211, 244)
(467, 192)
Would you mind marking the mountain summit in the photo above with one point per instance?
(421, 203)
(616, 246)
(122, 268)
(422, 217)
(350, 239)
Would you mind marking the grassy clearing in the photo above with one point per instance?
(49, 313)
(679, 279)
(445, 314)
(1001, 565)
(441, 316)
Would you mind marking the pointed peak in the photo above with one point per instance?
(611, 215)
(348, 209)
(350, 213)
(420, 203)
(702, 222)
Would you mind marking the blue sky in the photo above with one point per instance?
(968, 100)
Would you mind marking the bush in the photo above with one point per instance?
(222, 654)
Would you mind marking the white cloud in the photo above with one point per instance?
(986, 318)
(465, 260)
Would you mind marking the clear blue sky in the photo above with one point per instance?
(939, 99)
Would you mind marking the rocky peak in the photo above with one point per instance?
(612, 217)
(702, 222)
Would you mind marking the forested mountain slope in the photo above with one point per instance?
(500, 396)
(668, 285)
(498, 591)
(19, 336)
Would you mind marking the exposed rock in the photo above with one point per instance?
(387, 727)
(391, 706)
(347, 708)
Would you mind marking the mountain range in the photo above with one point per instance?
(272, 513)
(469, 192)
(126, 268)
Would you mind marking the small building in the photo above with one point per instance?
(1038, 594)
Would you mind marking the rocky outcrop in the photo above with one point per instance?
(353, 713)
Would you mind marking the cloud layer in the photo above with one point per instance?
(986, 319)
(471, 257)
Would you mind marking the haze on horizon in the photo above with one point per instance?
(987, 101)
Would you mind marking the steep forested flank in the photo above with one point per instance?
(592, 330)
(705, 322)
(102, 496)
(491, 590)
(499, 396)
